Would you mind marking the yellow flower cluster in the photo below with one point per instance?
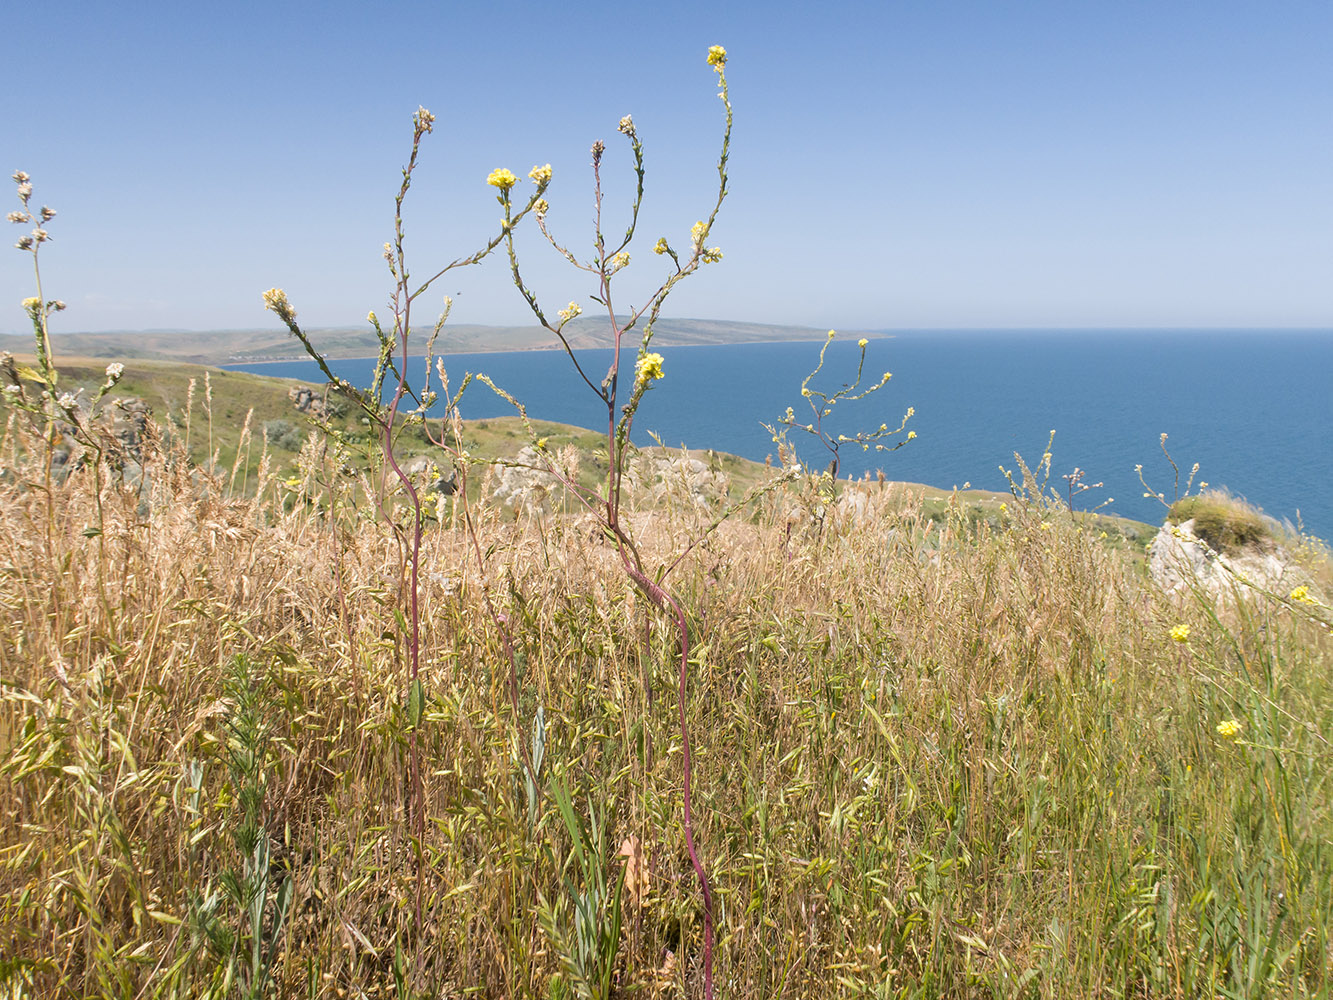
(619, 261)
(1180, 633)
(574, 309)
(697, 233)
(1302, 595)
(648, 368)
(539, 175)
(501, 178)
(717, 57)
(862, 343)
(1229, 729)
(661, 247)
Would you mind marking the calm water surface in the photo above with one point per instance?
(1253, 408)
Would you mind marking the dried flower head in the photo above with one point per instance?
(18, 217)
(501, 178)
(20, 177)
(598, 148)
(541, 206)
(114, 371)
(423, 120)
(626, 126)
(541, 175)
(67, 401)
(276, 300)
(48, 213)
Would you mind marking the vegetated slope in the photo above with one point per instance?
(229, 346)
(216, 411)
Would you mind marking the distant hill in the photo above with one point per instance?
(218, 347)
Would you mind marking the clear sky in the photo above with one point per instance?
(895, 164)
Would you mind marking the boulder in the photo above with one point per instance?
(524, 486)
(1179, 562)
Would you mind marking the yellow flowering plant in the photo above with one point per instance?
(822, 404)
(408, 407)
(620, 399)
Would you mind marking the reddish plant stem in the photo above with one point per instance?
(667, 603)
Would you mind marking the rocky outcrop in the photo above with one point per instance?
(525, 486)
(127, 418)
(1180, 562)
(654, 479)
(308, 401)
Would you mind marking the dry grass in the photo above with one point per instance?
(936, 757)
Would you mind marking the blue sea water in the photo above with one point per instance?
(1253, 408)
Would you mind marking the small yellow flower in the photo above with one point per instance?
(501, 178)
(911, 435)
(648, 368)
(711, 255)
(717, 57)
(1229, 729)
(619, 261)
(574, 309)
(1180, 633)
(539, 175)
(832, 334)
(661, 246)
(372, 319)
(1004, 508)
(862, 343)
(1302, 595)
(697, 233)
(541, 444)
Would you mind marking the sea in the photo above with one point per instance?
(1252, 407)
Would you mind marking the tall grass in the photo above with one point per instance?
(936, 759)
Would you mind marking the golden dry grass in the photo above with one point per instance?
(934, 758)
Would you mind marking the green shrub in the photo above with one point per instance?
(1225, 523)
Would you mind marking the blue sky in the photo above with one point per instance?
(894, 164)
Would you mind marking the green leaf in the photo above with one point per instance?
(416, 700)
